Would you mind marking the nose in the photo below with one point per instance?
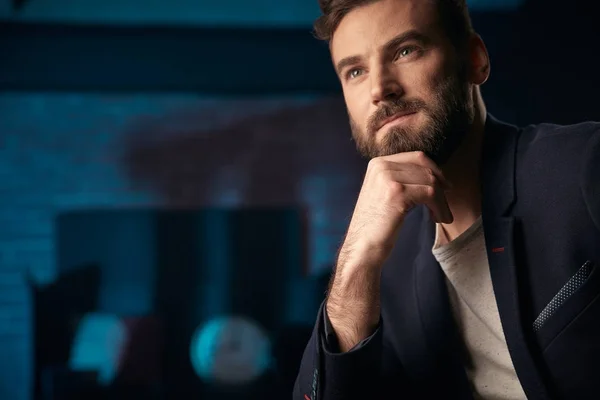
(384, 85)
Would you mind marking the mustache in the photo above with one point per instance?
(389, 109)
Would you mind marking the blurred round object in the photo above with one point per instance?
(230, 350)
(99, 343)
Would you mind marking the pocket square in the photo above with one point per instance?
(563, 294)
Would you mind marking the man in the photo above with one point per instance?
(470, 268)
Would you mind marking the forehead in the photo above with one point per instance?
(366, 28)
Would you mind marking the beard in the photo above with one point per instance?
(449, 117)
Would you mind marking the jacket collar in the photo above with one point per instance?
(498, 167)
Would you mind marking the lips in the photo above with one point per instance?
(394, 117)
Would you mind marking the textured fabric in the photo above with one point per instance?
(565, 292)
(486, 357)
(330, 341)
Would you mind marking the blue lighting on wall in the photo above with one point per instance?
(190, 12)
(488, 5)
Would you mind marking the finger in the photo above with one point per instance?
(442, 210)
(432, 197)
(414, 174)
(419, 158)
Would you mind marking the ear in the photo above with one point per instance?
(479, 61)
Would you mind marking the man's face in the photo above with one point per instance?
(404, 83)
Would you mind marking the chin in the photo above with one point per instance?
(410, 136)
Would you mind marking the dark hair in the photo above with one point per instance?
(453, 14)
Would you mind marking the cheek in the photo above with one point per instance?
(358, 106)
(423, 78)
(422, 86)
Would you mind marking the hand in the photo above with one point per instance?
(393, 185)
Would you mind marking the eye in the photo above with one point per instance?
(405, 52)
(353, 73)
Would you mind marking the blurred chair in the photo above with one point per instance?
(83, 354)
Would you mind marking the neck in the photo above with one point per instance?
(462, 169)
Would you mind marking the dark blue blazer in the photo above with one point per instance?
(541, 218)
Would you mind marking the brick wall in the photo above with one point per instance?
(79, 151)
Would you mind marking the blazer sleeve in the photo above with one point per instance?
(590, 184)
(327, 374)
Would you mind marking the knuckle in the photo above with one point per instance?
(431, 178)
(429, 191)
(420, 156)
(396, 187)
(376, 163)
(395, 190)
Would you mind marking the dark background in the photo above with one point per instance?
(168, 164)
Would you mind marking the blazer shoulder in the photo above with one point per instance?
(590, 178)
(551, 156)
(582, 131)
(551, 145)
(576, 149)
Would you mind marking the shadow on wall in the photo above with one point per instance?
(58, 308)
(253, 157)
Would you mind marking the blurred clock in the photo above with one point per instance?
(230, 350)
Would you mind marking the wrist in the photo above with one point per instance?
(357, 255)
(352, 324)
(354, 296)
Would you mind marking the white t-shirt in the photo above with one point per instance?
(487, 360)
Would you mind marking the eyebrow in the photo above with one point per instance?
(392, 43)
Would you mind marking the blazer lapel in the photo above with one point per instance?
(498, 194)
(435, 314)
